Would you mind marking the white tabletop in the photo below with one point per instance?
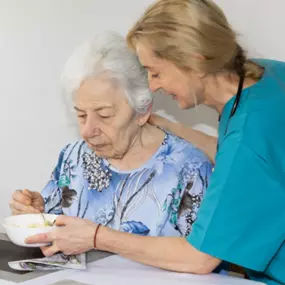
(119, 271)
(106, 269)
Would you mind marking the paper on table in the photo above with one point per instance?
(55, 262)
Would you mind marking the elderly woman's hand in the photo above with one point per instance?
(73, 236)
(26, 202)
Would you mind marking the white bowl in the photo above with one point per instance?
(17, 228)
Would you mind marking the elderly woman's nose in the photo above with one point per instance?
(90, 129)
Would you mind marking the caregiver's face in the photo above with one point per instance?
(107, 122)
(184, 87)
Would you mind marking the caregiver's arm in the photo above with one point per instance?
(204, 142)
(171, 253)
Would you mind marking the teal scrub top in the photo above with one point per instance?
(242, 217)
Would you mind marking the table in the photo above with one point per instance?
(113, 270)
(18, 276)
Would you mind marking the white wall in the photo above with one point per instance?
(37, 36)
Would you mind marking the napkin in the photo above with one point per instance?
(55, 262)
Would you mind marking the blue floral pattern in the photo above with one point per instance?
(161, 198)
(134, 228)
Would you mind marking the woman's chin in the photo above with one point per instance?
(184, 104)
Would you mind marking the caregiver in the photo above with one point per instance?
(192, 54)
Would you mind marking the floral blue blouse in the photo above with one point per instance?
(161, 198)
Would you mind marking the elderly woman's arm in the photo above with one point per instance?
(171, 253)
(206, 143)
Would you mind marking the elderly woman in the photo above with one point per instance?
(125, 178)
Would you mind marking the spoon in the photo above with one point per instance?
(46, 222)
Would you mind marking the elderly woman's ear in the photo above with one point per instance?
(142, 119)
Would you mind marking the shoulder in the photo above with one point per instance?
(261, 116)
(271, 87)
(74, 149)
(74, 146)
(269, 63)
(181, 151)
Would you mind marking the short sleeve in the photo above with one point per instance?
(194, 184)
(52, 197)
(241, 219)
(52, 192)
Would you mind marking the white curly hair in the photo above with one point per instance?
(108, 52)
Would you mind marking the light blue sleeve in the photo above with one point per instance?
(53, 198)
(241, 218)
(194, 180)
(52, 193)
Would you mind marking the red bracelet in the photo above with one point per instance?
(95, 235)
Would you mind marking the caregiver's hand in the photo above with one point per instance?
(206, 143)
(73, 236)
(26, 202)
(161, 122)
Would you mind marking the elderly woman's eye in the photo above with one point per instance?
(82, 116)
(104, 116)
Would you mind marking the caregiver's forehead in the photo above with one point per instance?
(146, 56)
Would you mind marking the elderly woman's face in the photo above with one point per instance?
(107, 122)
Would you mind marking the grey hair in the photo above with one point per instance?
(108, 52)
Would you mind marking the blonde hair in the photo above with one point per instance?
(194, 35)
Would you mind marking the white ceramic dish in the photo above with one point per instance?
(18, 228)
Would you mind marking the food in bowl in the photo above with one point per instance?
(36, 225)
(45, 224)
(18, 228)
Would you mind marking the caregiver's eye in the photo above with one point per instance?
(155, 75)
